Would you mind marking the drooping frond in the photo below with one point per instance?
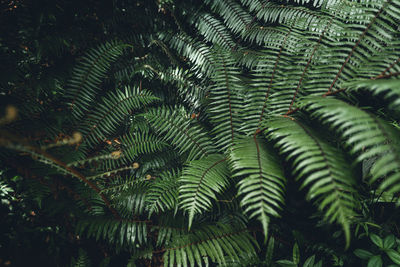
(199, 54)
(235, 17)
(138, 143)
(321, 168)
(214, 31)
(88, 74)
(263, 184)
(367, 136)
(177, 128)
(116, 232)
(191, 92)
(200, 182)
(108, 116)
(211, 243)
(225, 100)
(163, 193)
(389, 89)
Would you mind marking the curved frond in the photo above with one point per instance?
(200, 182)
(212, 243)
(390, 89)
(322, 168)
(163, 193)
(88, 74)
(367, 135)
(263, 183)
(177, 128)
(108, 116)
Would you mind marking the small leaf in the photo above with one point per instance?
(296, 254)
(363, 254)
(375, 261)
(389, 242)
(270, 250)
(377, 240)
(394, 256)
(286, 263)
(309, 262)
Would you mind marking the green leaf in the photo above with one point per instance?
(363, 254)
(389, 241)
(263, 182)
(201, 181)
(270, 251)
(393, 255)
(377, 240)
(296, 254)
(309, 262)
(286, 263)
(375, 261)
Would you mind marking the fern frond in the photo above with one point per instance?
(367, 136)
(177, 128)
(197, 52)
(225, 100)
(214, 31)
(200, 182)
(210, 242)
(88, 74)
(163, 193)
(108, 116)
(390, 89)
(116, 232)
(263, 183)
(235, 17)
(322, 168)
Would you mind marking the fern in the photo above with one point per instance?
(88, 75)
(322, 168)
(200, 181)
(263, 182)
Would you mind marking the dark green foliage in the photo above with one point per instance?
(211, 133)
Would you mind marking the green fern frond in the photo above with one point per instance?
(389, 89)
(214, 31)
(210, 242)
(366, 135)
(120, 233)
(138, 143)
(200, 182)
(197, 52)
(225, 100)
(108, 116)
(163, 193)
(322, 168)
(235, 17)
(263, 183)
(88, 74)
(177, 128)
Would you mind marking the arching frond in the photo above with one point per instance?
(163, 193)
(88, 74)
(212, 243)
(214, 31)
(115, 232)
(263, 184)
(225, 100)
(200, 182)
(389, 89)
(177, 128)
(321, 168)
(366, 135)
(108, 116)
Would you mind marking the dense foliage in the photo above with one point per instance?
(200, 133)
